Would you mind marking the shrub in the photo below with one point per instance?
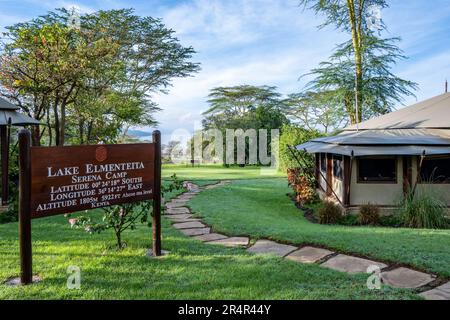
(303, 186)
(369, 214)
(349, 220)
(124, 216)
(292, 136)
(423, 210)
(329, 213)
(393, 220)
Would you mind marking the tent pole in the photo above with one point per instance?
(323, 177)
(348, 179)
(4, 156)
(419, 172)
(295, 156)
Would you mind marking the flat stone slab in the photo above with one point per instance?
(309, 254)
(180, 216)
(189, 225)
(185, 220)
(178, 200)
(185, 196)
(212, 186)
(232, 242)
(351, 264)
(271, 247)
(171, 204)
(189, 194)
(406, 278)
(177, 210)
(195, 231)
(438, 293)
(176, 204)
(210, 237)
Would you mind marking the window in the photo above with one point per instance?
(323, 162)
(377, 170)
(435, 170)
(338, 171)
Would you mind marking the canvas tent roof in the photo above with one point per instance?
(365, 150)
(431, 113)
(17, 119)
(422, 127)
(6, 105)
(390, 137)
(9, 111)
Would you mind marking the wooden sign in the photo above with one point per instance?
(75, 178)
(59, 180)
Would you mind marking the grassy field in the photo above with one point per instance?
(192, 270)
(216, 172)
(261, 209)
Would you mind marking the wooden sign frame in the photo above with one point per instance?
(28, 183)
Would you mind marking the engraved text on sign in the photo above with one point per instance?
(74, 178)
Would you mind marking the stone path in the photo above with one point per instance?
(350, 264)
(438, 293)
(406, 278)
(309, 255)
(271, 247)
(183, 220)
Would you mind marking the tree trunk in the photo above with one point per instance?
(356, 27)
(56, 116)
(50, 133)
(62, 125)
(36, 136)
(350, 108)
(89, 132)
(119, 240)
(81, 131)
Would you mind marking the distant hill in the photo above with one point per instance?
(139, 133)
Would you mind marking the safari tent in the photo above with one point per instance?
(379, 160)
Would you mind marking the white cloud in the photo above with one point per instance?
(214, 23)
(241, 42)
(267, 42)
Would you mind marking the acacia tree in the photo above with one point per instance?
(359, 72)
(245, 107)
(88, 83)
(239, 100)
(315, 111)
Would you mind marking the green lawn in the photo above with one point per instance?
(261, 209)
(215, 172)
(193, 270)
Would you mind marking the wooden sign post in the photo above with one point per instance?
(156, 223)
(60, 180)
(26, 274)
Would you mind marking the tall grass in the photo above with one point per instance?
(423, 210)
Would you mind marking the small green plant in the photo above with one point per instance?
(393, 221)
(369, 214)
(423, 210)
(349, 220)
(123, 217)
(329, 213)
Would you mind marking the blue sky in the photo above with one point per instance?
(266, 42)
